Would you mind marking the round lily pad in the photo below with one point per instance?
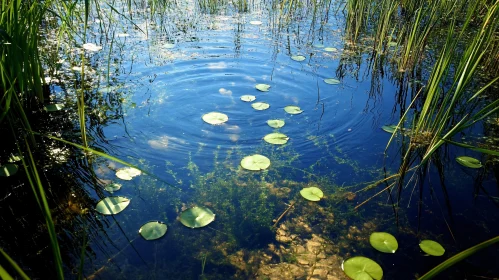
(53, 107)
(276, 138)
(276, 123)
(112, 187)
(312, 193)
(389, 128)
(469, 162)
(293, 110)
(248, 98)
(262, 87)
(432, 248)
(255, 162)
(260, 106)
(298, 58)
(332, 81)
(215, 118)
(255, 22)
(196, 217)
(8, 169)
(383, 242)
(153, 230)
(329, 49)
(112, 205)
(127, 173)
(357, 268)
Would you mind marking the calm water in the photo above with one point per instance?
(189, 64)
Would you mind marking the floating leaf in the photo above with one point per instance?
(332, 81)
(293, 110)
(357, 268)
(112, 205)
(215, 118)
(262, 87)
(276, 123)
(196, 217)
(389, 128)
(8, 169)
(260, 106)
(255, 22)
(312, 193)
(276, 138)
(318, 46)
(248, 98)
(255, 162)
(298, 58)
(432, 248)
(469, 162)
(92, 47)
(53, 107)
(153, 230)
(169, 46)
(127, 173)
(112, 187)
(383, 242)
(330, 49)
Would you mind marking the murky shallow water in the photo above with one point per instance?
(167, 80)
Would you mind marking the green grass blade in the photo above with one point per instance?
(4, 274)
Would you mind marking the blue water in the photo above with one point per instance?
(337, 142)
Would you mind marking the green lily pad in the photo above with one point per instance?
(127, 173)
(276, 138)
(293, 110)
(8, 169)
(112, 205)
(432, 248)
(255, 162)
(262, 87)
(276, 123)
(153, 230)
(255, 22)
(383, 242)
(260, 106)
(469, 162)
(330, 49)
(312, 193)
(298, 58)
(357, 268)
(112, 187)
(248, 98)
(91, 47)
(389, 128)
(196, 217)
(215, 118)
(53, 107)
(332, 81)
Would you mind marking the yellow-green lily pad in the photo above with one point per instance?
(276, 138)
(312, 193)
(298, 58)
(432, 248)
(197, 217)
(362, 268)
(293, 110)
(262, 87)
(469, 162)
(215, 118)
(127, 173)
(332, 81)
(248, 98)
(276, 123)
(153, 230)
(330, 49)
(259, 106)
(112, 205)
(383, 242)
(255, 162)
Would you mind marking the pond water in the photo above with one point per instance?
(150, 89)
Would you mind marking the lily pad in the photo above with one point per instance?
(298, 58)
(293, 110)
(248, 98)
(112, 187)
(127, 173)
(312, 193)
(389, 128)
(8, 169)
(357, 268)
(169, 46)
(255, 162)
(153, 230)
(318, 46)
(215, 118)
(112, 205)
(330, 49)
(276, 123)
(196, 217)
(255, 22)
(92, 47)
(262, 87)
(469, 162)
(260, 106)
(332, 81)
(53, 107)
(432, 248)
(383, 242)
(276, 138)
